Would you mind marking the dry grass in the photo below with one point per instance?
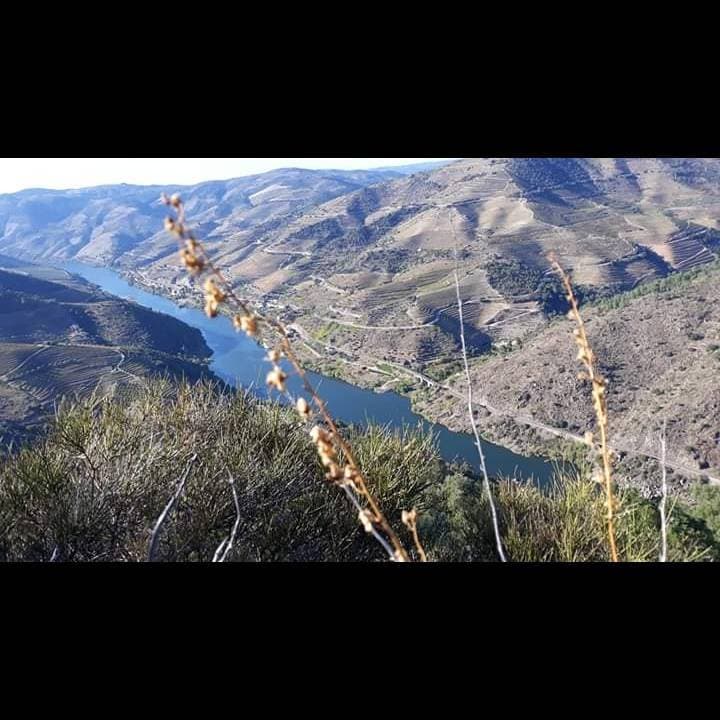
(599, 389)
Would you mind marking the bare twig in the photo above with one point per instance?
(663, 500)
(226, 545)
(471, 414)
(164, 514)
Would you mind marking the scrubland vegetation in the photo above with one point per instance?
(94, 488)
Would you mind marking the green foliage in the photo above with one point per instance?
(93, 489)
(442, 370)
(705, 505)
(95, 486)
(511, 277)
(562, 523)
(551, 295)
(325, 331)
(673, 282)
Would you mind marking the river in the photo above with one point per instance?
(240, 361)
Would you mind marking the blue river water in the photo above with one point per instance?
(241, 362)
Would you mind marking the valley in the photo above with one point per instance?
(362, 266)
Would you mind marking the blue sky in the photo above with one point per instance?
(62, 173)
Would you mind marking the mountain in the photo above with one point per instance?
(369, 274)
(416, 167)
(123, 223)
(382, 245)
(61, 336)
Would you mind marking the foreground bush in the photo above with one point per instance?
(561, 523)
(93, 489)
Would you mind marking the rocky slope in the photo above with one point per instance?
(658, 346)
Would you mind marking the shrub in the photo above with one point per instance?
(94, 487)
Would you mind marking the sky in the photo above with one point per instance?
(65, 173)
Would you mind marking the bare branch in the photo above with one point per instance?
(483, 467)
(164, 514)
(663, 501)
(226, 545)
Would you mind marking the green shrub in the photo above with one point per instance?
(95, 486)
(705, 506)
(93, 489)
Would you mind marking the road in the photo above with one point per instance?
(346, 323)
(532, 422)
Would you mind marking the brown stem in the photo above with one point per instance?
(244, 307)
(599, 401)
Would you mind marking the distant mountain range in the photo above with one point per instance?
(415, 167)
(123, 222)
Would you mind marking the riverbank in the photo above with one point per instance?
(240, 361)
(444, 406)
(428, 398)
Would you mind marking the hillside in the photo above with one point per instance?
(658, 346)
(123, 223)
(61, 337)
(387, 252)
(353, 269)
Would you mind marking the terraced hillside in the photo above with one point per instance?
(62, 337)
(659, 347)
(383, 257)
(122, 224)
(389, 240)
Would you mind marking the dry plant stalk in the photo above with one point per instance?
(663, 500)
(476, 433)
(224, 548)
(599, 390)
(410, 521)
(471, 411)
(325, 434)
(155, 534)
